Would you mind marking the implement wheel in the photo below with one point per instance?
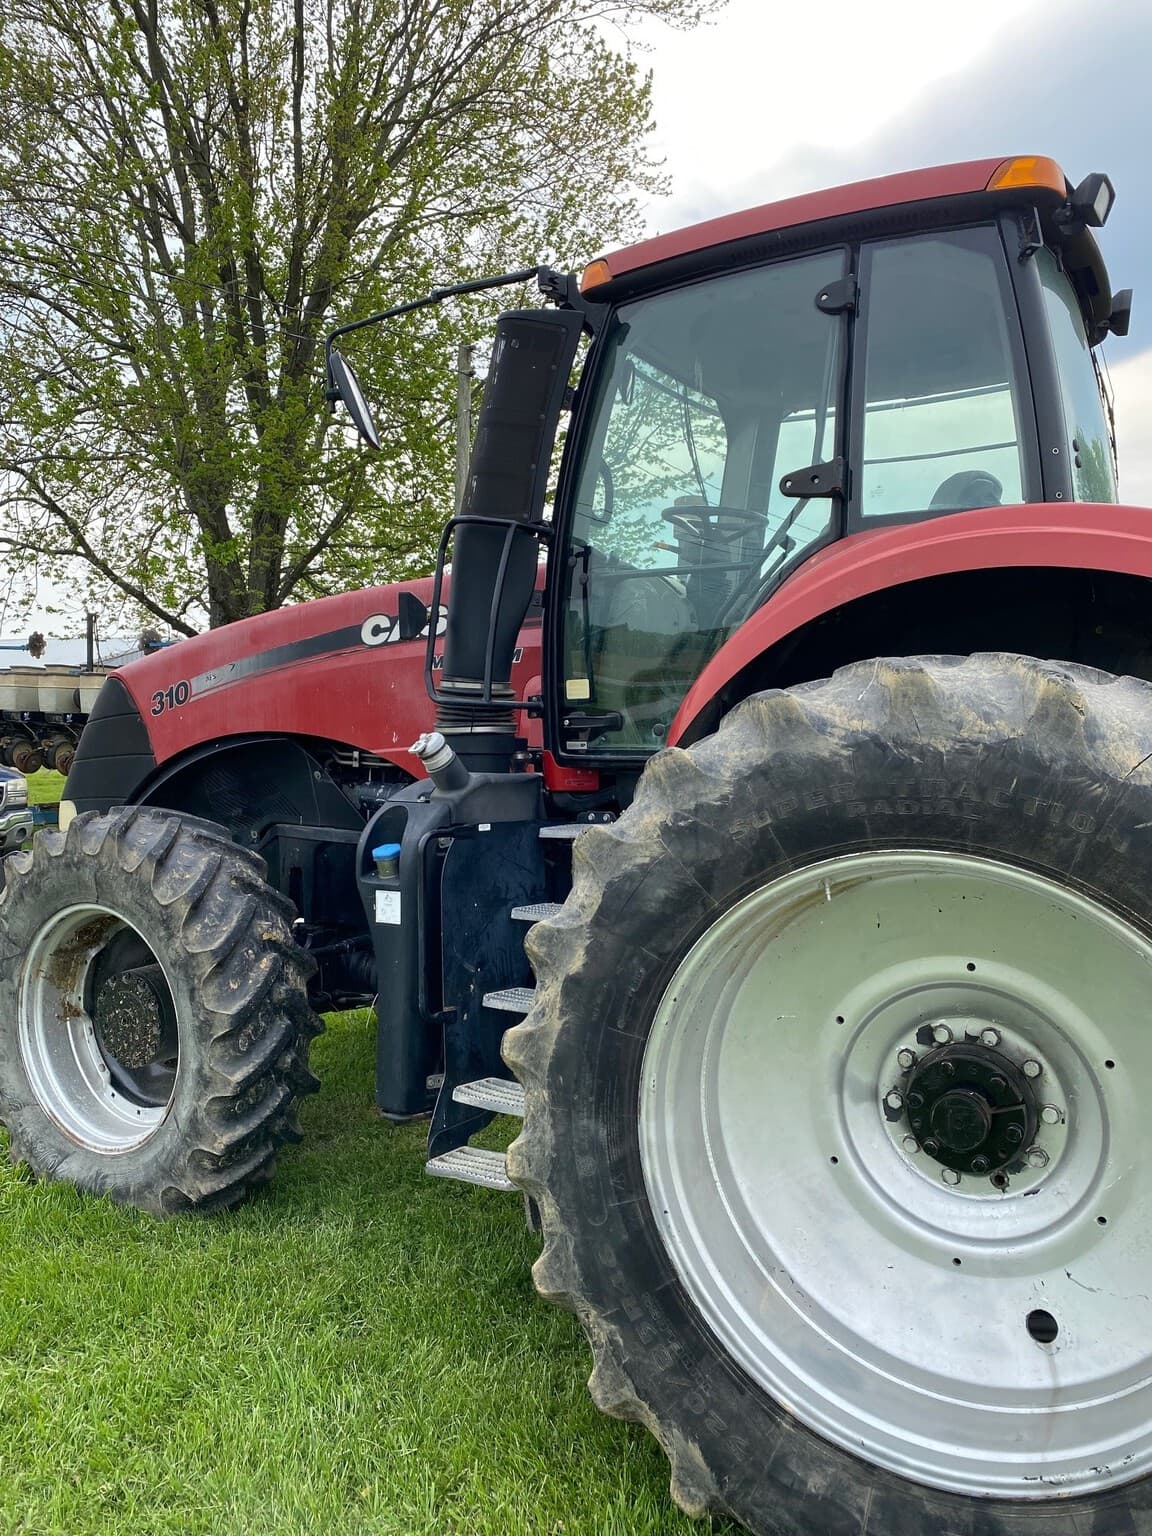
(839, 1105)
(154, 1022)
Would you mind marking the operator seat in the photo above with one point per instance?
(967, 490)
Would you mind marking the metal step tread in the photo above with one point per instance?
(511, 999)
(569, 829)
(498, 1094)
(537, 911)
(471, 1165)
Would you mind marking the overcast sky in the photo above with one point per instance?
(772, 99)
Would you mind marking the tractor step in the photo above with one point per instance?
(537, 911)
(471, 1165)
(498, 1094)
(511, 999)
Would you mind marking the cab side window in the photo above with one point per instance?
(941, 406)
(1086, 432)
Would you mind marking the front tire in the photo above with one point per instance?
(841, 1312)
(154, 1021)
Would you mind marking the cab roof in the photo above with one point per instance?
(1035, 173)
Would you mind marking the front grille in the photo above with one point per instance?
(354, 757)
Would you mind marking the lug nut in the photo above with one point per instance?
(1036, 1157)
(990, 1037)
(910, 1144)
(980, 1165)
(893, 1099)
(1050, 1115)
(941, 1034)
(1014, 1134)
(906, 1058)
(1032, 1068)
(950, 1176)
(932, 1145)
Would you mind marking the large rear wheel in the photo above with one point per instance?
(154, 1022)
(837, 1104)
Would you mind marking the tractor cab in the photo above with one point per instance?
(743, 409)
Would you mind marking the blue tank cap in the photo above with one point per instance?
(386, 851)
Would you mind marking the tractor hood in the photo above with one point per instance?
(347, 670)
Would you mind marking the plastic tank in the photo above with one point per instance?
(57, 691)
(20, 689)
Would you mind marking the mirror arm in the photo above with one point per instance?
(437, 296)
(561, 288)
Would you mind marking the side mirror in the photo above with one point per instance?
(1119, 319)
(343, 385)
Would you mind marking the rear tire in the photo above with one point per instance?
(741, 1234)
(154, 1021)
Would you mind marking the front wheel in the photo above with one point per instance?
(154, 1021)
(837, 1104)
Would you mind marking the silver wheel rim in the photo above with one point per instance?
(67, 1070)
(896, 1314)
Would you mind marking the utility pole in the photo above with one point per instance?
(464, 377)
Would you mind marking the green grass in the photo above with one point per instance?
(45, 787)
(360, 1350)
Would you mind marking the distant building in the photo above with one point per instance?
(69, 653)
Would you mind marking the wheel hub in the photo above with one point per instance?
(133, 1015)
(982, 1108)
(970, 1108)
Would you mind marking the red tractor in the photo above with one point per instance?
(808, 740)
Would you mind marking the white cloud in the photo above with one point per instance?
(776, 97)
(1132, 381)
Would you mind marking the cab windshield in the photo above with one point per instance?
(710, 397)
(710, 466)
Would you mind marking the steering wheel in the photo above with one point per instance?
(698, 520)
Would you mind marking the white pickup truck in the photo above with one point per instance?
(15, 817)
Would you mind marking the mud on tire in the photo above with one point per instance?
(1043, 767)
(177, 887)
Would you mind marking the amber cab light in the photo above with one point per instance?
(594, 275)
(1028, 171)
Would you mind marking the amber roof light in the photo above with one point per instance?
(1028, 171)
(594, 275)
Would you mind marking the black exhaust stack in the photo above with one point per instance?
(494, 562)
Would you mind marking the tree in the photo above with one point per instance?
(193, 191)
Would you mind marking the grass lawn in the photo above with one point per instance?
(45, 787)
(360, 1350)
